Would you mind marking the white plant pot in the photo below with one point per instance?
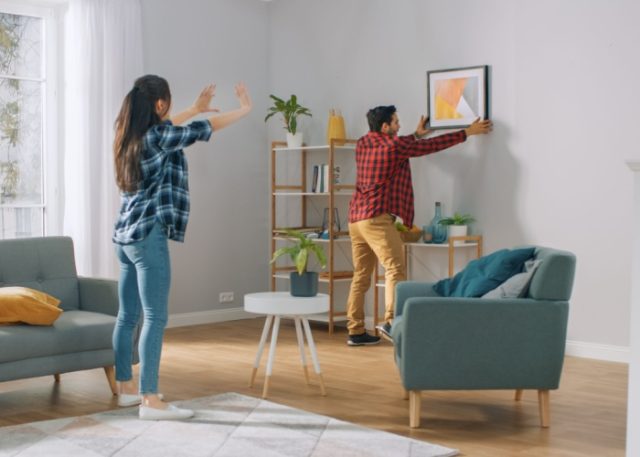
(294, 141)
(457, 230)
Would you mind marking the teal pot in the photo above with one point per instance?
(304, 285)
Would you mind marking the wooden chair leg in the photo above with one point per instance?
(405, 394)
(111, 378)
(414, 408)
(518, 396)
(56, 377)
(543, 404)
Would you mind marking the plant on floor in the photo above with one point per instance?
(301, 251)
(290, 110)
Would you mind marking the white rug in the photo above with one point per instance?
(227, 425)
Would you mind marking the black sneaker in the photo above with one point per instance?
(385, 330)
(363, 340)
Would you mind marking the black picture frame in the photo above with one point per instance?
(457, 96)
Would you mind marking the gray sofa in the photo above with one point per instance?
(460, 343)
(80, 338)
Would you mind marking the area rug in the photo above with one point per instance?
(226, 425)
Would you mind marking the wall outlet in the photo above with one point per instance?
(226, 297)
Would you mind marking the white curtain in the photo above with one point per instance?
(103, 56)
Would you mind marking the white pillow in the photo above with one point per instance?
(516, 286)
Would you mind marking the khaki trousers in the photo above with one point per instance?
(371, 238)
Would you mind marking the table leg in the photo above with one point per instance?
(300, 337)
(263, 339)
(314, 354)
(272, 353)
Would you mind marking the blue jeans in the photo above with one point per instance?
(145, 277)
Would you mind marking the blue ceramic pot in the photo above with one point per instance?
(304, 285)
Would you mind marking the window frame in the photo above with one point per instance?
(52, 168)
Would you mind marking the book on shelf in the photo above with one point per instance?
(321, 177)
(314, 180)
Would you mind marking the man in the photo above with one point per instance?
(383, 192)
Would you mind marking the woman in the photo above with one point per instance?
(151, 172)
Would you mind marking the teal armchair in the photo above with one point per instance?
(444, 343)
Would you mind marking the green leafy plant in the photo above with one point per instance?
(457, 219)
(301, 251)
(9, 176)
(290, 110)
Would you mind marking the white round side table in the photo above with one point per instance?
(277, 305)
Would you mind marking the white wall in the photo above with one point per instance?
(563, 101)
(192, 43)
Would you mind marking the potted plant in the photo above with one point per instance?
(290, 111)
(303, 283)
(457, 225)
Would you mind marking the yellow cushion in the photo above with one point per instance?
(28, 306)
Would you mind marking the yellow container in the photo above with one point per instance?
(335, 127)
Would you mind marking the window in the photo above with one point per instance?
(24, 92)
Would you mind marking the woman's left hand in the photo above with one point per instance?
(243, 97)
(204, 100)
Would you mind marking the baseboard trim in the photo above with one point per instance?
(581, 349)
(606, 352)
(208, 317)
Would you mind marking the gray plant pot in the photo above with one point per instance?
(304, 285)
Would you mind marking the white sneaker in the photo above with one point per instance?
(171, 413)
(125, 400)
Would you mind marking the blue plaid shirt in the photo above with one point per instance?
(163, 191)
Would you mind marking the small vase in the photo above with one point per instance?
(437, 230)
(304, 285)
(294, 141)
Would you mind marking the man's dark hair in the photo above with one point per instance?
(379, 115)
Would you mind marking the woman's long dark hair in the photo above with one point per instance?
(137, 115)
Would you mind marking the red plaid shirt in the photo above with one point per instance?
(383, 182)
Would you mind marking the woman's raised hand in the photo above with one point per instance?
(204, 100)
(243, 97)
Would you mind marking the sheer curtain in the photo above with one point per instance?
(103, 56)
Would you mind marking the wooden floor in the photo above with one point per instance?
(588, 412)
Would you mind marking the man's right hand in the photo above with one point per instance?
(422, 129)
(479, 127)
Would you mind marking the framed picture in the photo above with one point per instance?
(456, 97)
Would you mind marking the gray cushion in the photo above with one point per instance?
(554, 278)
(73, 331)
(516, 286)
(45, 263)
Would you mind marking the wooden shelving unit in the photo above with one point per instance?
(301, 190)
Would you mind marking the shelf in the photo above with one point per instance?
(311, 148)
(310, 194)
(281, 231)
(442, 245)
(317, 240)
